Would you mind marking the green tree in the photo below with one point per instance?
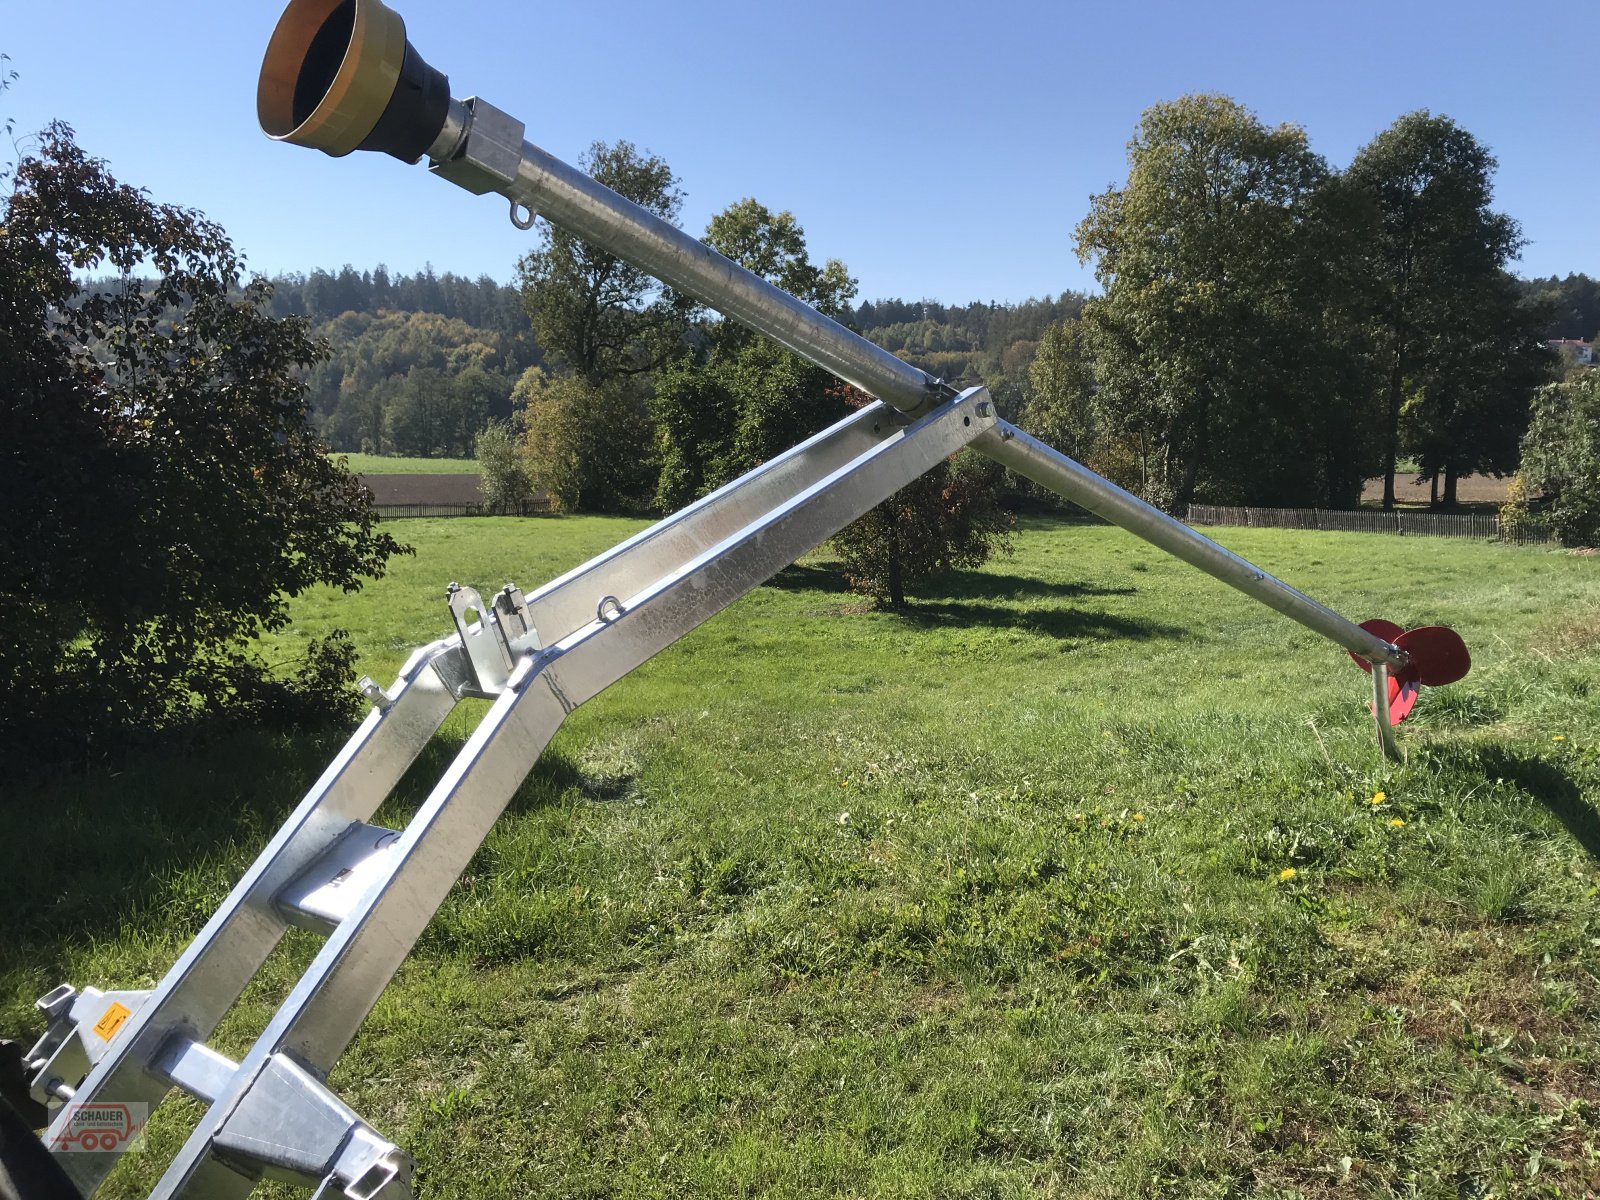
(744, 398)
(948, 518)
(163, 493)
(363, 396)
(773, 245)
(8, 76)
(1438, 257)
(1468, 405)
(504, 476)
(1573, 305)
(1561, 458)
(421, 415)
(1219, 260)
(588, 445)
(1060, 404)
(600, 317)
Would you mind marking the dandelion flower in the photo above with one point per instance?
(1396, 823)
(1378, 798)
(1138, 816)
(1287, 873)
(1560, 737)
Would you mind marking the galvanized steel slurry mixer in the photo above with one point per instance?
(339, 75)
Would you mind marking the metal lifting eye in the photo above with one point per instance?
(522, 215)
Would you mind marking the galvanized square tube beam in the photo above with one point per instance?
(324, 1010)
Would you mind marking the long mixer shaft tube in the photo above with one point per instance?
(1043, 464)
(571, 199)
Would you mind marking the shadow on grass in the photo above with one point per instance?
(798, 577)
(952, 585)
(965, 598)
(986, 585)
(151, 841)
(155, 841)
(1062, 623)
(1553, 788)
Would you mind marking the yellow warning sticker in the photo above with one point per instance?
(108, 1025)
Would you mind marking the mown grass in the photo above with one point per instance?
(1069, 882)
(392, 464)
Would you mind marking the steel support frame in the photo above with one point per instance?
(270, 1114)
(540, 183)
(572, 639)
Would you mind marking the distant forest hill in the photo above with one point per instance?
(421, 363)
(1573, 304)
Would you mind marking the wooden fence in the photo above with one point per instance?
(392, 512)
(1486, 526)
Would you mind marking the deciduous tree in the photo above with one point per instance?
(1561, 458)
(1061, 403)
(744, 398)
(1467, 408)
(948, 518)
(1439, 254)
(589, 445)
(1214, 259)
(504, 476)
(600, 317)
(163, 495)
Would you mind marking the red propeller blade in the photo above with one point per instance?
(1437, 656)
(1402, 696)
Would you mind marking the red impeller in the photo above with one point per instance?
(1436, 656)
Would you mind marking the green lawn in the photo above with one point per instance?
(1076, 881)
(390, 464)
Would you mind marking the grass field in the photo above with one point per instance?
(386, 464)
(1082, 879)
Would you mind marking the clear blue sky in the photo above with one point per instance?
(942, 150)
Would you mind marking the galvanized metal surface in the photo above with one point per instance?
(1380, 712)
(571, 199)
(1028, 456)
(204, 983)
(373, 890)
(538, 656)
(566, 604)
